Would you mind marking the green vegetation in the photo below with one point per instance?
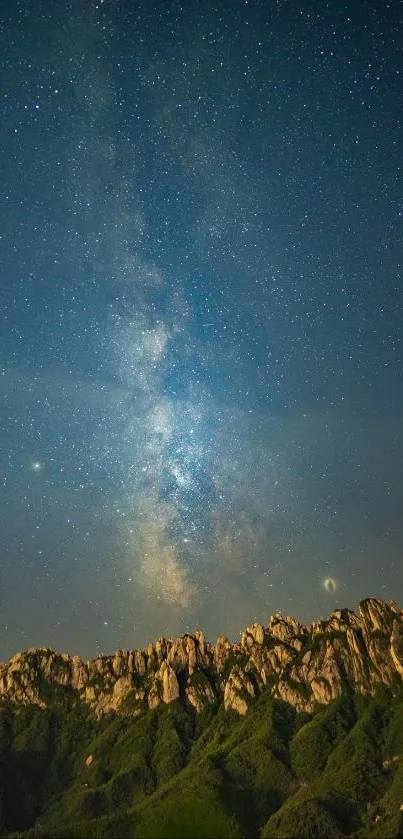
(314, 742)
(170, 772)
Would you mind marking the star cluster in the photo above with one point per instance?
(201, 297)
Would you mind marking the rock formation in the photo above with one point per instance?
(303, 665)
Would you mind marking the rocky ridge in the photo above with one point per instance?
(302, 665)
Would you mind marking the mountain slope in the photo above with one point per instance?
(69, 767)
(303, 665)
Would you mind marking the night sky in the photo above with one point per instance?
(201, 316)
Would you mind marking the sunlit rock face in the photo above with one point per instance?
(302, 665)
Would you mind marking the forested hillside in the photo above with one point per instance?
(295, 731)
(172, 772)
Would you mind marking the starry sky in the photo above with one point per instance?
(201, 315)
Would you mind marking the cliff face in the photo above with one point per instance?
(299, 664)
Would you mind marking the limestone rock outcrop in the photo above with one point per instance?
(238, 690)
(199, 691)
(303, 665)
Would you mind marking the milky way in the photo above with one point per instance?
(200, 254)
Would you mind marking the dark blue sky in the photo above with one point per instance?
(201, 315)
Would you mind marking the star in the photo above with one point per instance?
(201, 344)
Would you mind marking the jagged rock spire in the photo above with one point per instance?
(302, 665)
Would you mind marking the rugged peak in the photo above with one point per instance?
(393, 605)
(254, 634)
(341, 619)
(284, 628)
(303, 665)
(375, 614)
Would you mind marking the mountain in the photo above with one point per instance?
(294, 731)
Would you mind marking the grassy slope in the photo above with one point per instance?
(169, 773)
